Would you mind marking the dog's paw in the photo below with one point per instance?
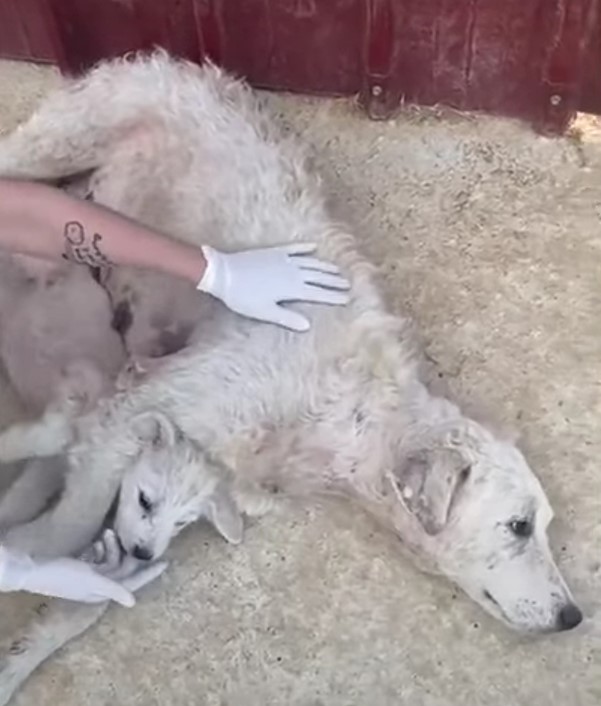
(106, 553)
(109, 559)
(80, 387)
(136, 370)
(54, 435)
(130, 375)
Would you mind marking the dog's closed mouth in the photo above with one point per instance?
(489, 597)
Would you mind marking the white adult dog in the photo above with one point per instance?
(340, 409)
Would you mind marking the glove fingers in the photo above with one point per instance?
(125, 569)
(312, 263)
(288, 319)
(144, 576)
(300, 248)
(319, 295)
(323, 279)
(111, 590)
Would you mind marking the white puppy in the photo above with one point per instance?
(61, 353)
(340, 409)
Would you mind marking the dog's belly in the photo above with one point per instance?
(55, 324)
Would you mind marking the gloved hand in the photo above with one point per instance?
(75, 579)
(255, 282)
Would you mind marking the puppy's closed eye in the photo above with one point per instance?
(465, 473)
(144, 501)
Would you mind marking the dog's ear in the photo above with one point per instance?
(155, 428)
(426, 482)
(223, 513)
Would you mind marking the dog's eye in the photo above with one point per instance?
(145, 503)
(465, 473)
(180, 525)
(521, 528)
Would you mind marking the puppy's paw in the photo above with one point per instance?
(110, 560)
(105, 553)
(80, 387)
(136, 370)
(54, 435)
(130, 375)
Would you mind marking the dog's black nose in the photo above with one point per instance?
(569, 617)
(142, 553)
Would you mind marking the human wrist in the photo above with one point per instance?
(190, 264)
(213, 267)
(14, 570)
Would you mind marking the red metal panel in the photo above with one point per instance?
(380, 90)
(94, 29)
(303, 45)
(210, 30)
(91, 29)
(169, 24)
(564, 60)
(519, 57)
(468, 54)
(523, 61)
(25, 31)
(590, 84)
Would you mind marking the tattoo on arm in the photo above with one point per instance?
(81, 249)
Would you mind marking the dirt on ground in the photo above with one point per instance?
(489, 237)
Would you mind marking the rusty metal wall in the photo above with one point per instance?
(534, 59)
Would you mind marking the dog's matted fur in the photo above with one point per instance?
(340, 409)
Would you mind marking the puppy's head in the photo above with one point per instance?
(170, 484)
(481, 515)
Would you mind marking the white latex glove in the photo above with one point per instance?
(255, 282)
(130, 572)
(71, 579)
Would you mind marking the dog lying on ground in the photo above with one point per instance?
(340, 409)
(62, 354)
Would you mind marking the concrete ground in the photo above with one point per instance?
(490, 237)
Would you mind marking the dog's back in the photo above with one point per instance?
(52, 318)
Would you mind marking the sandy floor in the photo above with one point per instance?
(490, 237)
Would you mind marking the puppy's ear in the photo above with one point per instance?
(155, 428)
(426, 482)
(223, 513)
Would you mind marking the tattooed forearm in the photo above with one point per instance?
(82, 249)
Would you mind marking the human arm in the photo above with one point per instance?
(45, 222)
(111, 578)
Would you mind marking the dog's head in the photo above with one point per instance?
(479, 512)
(169, 485)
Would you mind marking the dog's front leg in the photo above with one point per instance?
(55, 623)
(30, 493)
(52, 625)
(48, 436)
(70, 526)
